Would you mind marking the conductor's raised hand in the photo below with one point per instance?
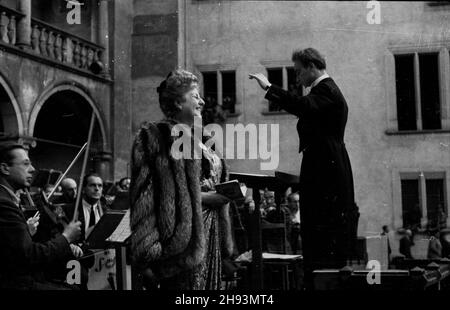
(261, 79)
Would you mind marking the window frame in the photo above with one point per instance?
(422, 175)
(219, 68)
(443, 54)
(283, 65)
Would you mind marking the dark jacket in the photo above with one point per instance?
(69, 210)
(22, 261)
(322, 113)
(327, 201)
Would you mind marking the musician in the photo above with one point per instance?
(124, 184)
(90, 209)
(69, 192)
(293, 231)
(92, 206)
(22, 260)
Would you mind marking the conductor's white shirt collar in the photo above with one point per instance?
(320, 78)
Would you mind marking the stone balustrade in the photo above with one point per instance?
(59, 45)
(8, 25)
(50, 42)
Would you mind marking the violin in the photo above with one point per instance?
(51, 223)
(59, 219)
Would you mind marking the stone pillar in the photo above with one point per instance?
(24, 25)
(423, 202)
(103, 34)
(102, 162)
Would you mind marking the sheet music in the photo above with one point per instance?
(122, 231)
(279, 256)
(247, 256)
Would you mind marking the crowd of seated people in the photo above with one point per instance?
(280, 224)
(288, 213)
(435, 238)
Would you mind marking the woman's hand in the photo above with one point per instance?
(214, 199)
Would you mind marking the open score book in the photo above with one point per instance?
(232, 190)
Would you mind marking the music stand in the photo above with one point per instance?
(119, 240)
(256, 182)
(103, 229)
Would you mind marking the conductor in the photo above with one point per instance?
(329, 215)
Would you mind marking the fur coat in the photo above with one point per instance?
(166, 212)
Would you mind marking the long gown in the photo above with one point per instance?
(207, 275)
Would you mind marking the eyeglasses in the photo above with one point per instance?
(26, 163)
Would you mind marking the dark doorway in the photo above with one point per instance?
(61, 129)
(8, 117)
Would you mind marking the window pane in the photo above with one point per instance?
(404, 82)
(210, 88)
(436, 211)
(412, 212)
(429, 91)
(292, 82)
(229, 91)
(275, 76)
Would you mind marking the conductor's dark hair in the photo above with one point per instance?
(87, 176)
(6, 152)
(308, 57)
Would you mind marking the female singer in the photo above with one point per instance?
(180, 225)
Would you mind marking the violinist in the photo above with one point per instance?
(22, 261)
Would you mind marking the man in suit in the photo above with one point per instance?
(91, 207)
(23, 261)
(328, 212)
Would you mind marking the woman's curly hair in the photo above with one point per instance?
(173, 89)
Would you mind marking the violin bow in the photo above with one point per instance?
(83, 168)
(65, 173)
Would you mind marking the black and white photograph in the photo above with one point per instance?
(244, 147)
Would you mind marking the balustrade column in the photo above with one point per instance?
(35, 39)
(12, 30)
(58, 47)
(4, 27)
(51, 45)
(24, 25)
